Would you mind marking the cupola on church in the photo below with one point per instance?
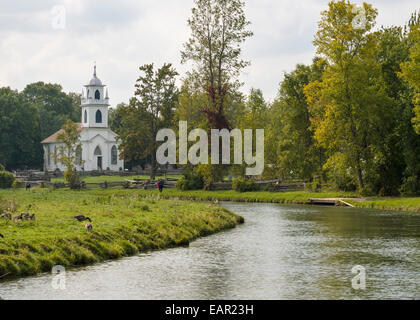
(98, 148)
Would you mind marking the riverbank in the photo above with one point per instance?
(124, 223)
(297, 197)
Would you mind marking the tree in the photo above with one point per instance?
(295, 152)
(149, 111)
(411, 70)
(19, 143)
(351, 96)
(70, 138)
(115, 121)
(54, 106)
(218, 29)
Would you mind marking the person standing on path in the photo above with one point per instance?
(161, 184)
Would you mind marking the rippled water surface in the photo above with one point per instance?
(281, 252)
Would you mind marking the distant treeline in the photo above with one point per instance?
(28, 117)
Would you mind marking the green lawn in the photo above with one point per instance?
(299, 197)
(259, 196)
(124, 223)
(98, 179)
(397, 204)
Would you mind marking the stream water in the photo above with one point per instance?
(281, 252)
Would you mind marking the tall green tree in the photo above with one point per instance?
(411, 72)
(19, 143)
(352, 95)
(151, 109)
(54, 106)
(291, 144)
(70, 139)
(218, 30)
(407, 70)
(115, 117)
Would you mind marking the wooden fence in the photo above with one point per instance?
(267, 185)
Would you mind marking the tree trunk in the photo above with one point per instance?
(360, 177)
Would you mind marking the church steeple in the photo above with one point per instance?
(95, 104)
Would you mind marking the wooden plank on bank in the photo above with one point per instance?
(346, 203)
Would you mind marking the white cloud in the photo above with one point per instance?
(121, 36)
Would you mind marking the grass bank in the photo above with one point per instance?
(392, 204)
(124, 223)
(297, 197)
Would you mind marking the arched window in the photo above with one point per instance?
(98, 116)
(79, 155)
(114, 155)
(88, 94)
(98, 151)
(97, 95)
(85, 117)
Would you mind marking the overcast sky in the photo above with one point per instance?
(122, 35)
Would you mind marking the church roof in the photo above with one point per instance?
(53, 138)
(95, 81)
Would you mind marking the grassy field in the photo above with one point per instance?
(98, 179)
(124, 223)
(260, 196)
(395, 204)
(298, 197)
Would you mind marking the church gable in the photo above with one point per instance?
(53, 138)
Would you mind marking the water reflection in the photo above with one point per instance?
(281, 252)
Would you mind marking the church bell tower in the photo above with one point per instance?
(95, 103)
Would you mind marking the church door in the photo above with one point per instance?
(99, 163)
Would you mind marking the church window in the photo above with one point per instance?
(98, 151)
(85, 117)
(79, 155)
(97, 95)
(114, 155)
(98, 116)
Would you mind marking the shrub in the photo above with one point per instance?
(2, 168)
(191, 180)
(204, 173)
(6, 179)
(17, 184)
(410, 186)
(245, 185)
(73, 178)
(337, 171)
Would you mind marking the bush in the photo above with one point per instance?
(190, 182)
(6, 179)
(410, 186)
(17, 184)
(2, 168)
(337, 171)
(245, 185)
(72, 178)
(204, 172)
(316, 184)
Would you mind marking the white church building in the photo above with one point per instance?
(98, 148)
